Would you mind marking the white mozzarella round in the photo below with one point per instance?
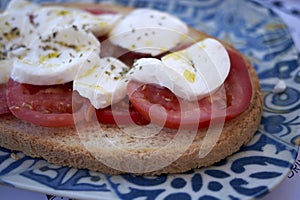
(152, 70)
(104, 83)
(212, 64)
(99, 24)
(50, 18)
(55, 58)
(191, 74)
(188, 83)
(16, 33)
(5, 70)
(23, 6)
(148, 31)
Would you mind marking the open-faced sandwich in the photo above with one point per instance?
(121, 90)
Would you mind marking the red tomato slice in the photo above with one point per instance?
(238, 95)
(238, 86)
(3, 104)
(108, 49)
(121, 114)
(98, 11)
(41, 105)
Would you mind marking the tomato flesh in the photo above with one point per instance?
(238, 93)
(49, 106)
(238, 86)
(98, 11)
(108, 49)
(3, 104)
(120, 114)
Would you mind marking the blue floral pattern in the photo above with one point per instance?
(251, 172)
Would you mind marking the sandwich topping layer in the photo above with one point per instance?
(54, 46)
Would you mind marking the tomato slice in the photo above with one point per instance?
(108, 49)
(238, 91)
(3, 104)
(238, 86)
(49, 106)
(98, 11)
(120, 113)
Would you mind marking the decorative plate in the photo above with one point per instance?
(250, 173)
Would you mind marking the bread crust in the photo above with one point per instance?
(64, 146)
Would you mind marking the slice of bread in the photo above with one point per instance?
(114, 150)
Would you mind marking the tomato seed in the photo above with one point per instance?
(27, 106)
(144, 87)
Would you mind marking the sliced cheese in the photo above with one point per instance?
(16, 34)
(104, 83)
(191, 74)
(47, 19)
(148, 31)
(56, 57)
(21, 6)
(209, 66)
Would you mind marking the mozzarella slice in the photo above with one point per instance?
(23, 6)
(5, 70)
(50, 18)
(152, 70)
(16, 33)
(99, 24)
(148, 31)
(55, 58)
(212, 64)
(103, 84)
(191, 74)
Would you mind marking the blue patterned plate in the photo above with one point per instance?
(250, 173)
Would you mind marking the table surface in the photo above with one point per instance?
(289, 11)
